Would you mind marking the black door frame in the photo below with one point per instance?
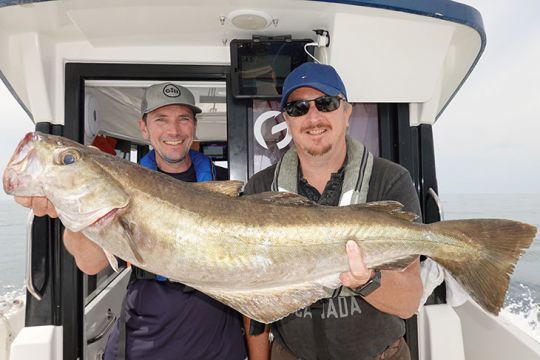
(412, 147)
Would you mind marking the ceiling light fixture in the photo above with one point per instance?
(249, 19)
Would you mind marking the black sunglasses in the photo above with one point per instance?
(323, 104)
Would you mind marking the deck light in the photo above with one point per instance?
(249, 19)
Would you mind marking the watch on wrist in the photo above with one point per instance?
(373, 284)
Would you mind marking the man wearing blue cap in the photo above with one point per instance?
(363, 321)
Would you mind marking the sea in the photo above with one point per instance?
(522, 304)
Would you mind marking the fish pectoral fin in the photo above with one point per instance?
(281, 198)
(393, 208)
(271, 304)
(398, 264)
(230, 188)
(112, 260)
(129, 234)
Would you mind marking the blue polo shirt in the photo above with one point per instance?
(166, 321)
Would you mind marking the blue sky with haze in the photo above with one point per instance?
(486, 141)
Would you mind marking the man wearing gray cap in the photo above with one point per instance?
(169, 123)
(163, 319)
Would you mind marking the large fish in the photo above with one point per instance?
(266, 255)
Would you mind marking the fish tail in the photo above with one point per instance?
(485, 271)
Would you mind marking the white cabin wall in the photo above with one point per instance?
(460, 57)
(367, 58)
(8, 59)
(32, 55)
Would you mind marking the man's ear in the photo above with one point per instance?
(285, 117)
(143, 129)
(348, 112)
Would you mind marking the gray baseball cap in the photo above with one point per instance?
(164, 94)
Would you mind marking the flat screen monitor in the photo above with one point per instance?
(217, 151)
(259, 67)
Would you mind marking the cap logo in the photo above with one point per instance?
(171, 91)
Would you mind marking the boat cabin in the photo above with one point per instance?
(79, 69)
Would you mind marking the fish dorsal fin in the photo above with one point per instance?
(393, 208)
(280, 198)
(230, 188)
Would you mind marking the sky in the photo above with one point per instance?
(486, 141)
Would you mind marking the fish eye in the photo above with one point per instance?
(68, 157)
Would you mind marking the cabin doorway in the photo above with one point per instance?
(103, 101)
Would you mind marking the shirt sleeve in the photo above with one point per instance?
(390, 181)
(260, 182)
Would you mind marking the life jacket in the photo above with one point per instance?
(204, 168)
(357, 173)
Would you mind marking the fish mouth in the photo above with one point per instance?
(15, 177)
(96, 220)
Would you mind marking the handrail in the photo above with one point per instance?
(111, 319)
(435, 197)
(29, 281)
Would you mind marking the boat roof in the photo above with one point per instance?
(387, 51)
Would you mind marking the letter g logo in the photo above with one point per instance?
(258, 126)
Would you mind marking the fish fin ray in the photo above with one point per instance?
(393, 208)
(128, 232)
(230, 188)
(112, 260)
(280, 198)
(496, 245)
(271, 304)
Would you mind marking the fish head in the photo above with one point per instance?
(72, 176)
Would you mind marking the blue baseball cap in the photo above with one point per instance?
(317, 76)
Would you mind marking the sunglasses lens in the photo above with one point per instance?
(327, 103)
(297, 108)
(323, 104)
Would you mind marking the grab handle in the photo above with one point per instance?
(29, 281)
(110, 320)
(435, 197)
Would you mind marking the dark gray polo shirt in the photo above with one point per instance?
(353, 329)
